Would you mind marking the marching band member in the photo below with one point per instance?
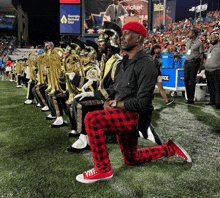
(20, 65)
(31, 76)
(48, 46)
(108, 44)
(58, 100)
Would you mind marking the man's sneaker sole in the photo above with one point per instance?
(94, 177)
(170, 102)
(183, 150)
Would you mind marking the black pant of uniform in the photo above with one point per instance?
(30, 95)
(58, 105)
(213, 83)
(190, 73)
(77, 122)
(19, 79)
(50, 104)
(37, 97)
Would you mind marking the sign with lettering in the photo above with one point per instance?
(70, 18)
(165, 77)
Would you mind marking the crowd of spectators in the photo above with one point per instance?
(173, 37)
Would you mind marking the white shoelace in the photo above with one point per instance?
(90, 172)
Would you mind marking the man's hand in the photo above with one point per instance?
(199, 70)
(84, 95)
(108, 104)
(154, 56)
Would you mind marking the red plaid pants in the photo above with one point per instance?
(124, 124)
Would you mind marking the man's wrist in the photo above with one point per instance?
(120, 104)
(114, 104)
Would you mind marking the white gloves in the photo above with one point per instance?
(71, 75)
(86, 85)
(84, 95)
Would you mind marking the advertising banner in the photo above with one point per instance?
(158, 13)
(70, 18)
(98, 11)
(8, 21)
(70, 1)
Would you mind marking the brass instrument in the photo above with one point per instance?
(41, 69)
(19, 67)
(76, 50)
(69, 67)
(32, 59)
(92, 55)
(79, 66)
(73, 63)
(12, 74)
(102, 66)
(49, 75)
(31, 64)
(23, 66)
(55, 60)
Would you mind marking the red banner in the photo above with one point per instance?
(69, 1)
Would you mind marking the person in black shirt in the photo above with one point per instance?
(155, 52)
(127, 109)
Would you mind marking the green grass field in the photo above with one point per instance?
(33, 162)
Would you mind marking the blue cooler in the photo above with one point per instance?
(168, 60)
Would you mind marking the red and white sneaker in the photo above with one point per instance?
(179, 150)
(92, 176)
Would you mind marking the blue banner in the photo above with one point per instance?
(70, 19)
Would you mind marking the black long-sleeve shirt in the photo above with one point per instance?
(134, 84)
